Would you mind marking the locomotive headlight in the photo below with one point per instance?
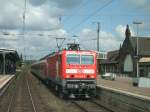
(67, 76)
(92, 76)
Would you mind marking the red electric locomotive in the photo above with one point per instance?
(71, 72)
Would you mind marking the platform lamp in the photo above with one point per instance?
(137, 23)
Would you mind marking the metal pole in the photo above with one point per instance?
(4, 62)
(74, 39)
(24, 27)
(98, 30)
(137, 43)
(137, 52)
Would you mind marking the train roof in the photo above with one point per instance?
(53, 53)
(38, 62)
(70, 47)
(48, 55)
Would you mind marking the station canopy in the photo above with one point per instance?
(10, 54)
(145, 60)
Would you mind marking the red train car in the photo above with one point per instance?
(70, 72)
(40, 69)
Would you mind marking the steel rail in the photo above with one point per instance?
(78, 105)
(11, 100)
(12, 97)
(96, 108)
(98, 104)
(31, 98)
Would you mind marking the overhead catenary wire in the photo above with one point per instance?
(80, 5)
(59, 46)
(89, 16)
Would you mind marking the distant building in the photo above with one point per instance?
(109, 64)
(124, 60)
(101, 56)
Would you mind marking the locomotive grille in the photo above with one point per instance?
(81, 84)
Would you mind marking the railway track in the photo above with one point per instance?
(27, 94)
(90, 106)
(21, 98)
(7, 95)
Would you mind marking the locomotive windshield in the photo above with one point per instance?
(87, 59)
(73, 59)
(80, 59)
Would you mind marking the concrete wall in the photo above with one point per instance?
(120, 101)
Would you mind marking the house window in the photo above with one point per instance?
(128, 64)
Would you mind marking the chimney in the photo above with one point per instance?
(127, 32)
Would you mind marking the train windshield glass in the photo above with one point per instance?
(73, 59)
(80, 59)
(87, 59)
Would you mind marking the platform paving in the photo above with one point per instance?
(4, 79)
(123, 84)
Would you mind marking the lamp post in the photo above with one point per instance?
(137, 23)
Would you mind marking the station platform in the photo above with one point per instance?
(4, 79)
(124, 84)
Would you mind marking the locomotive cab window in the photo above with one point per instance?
(73, 59)
(87, 59)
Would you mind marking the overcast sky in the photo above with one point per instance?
(47, 19)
